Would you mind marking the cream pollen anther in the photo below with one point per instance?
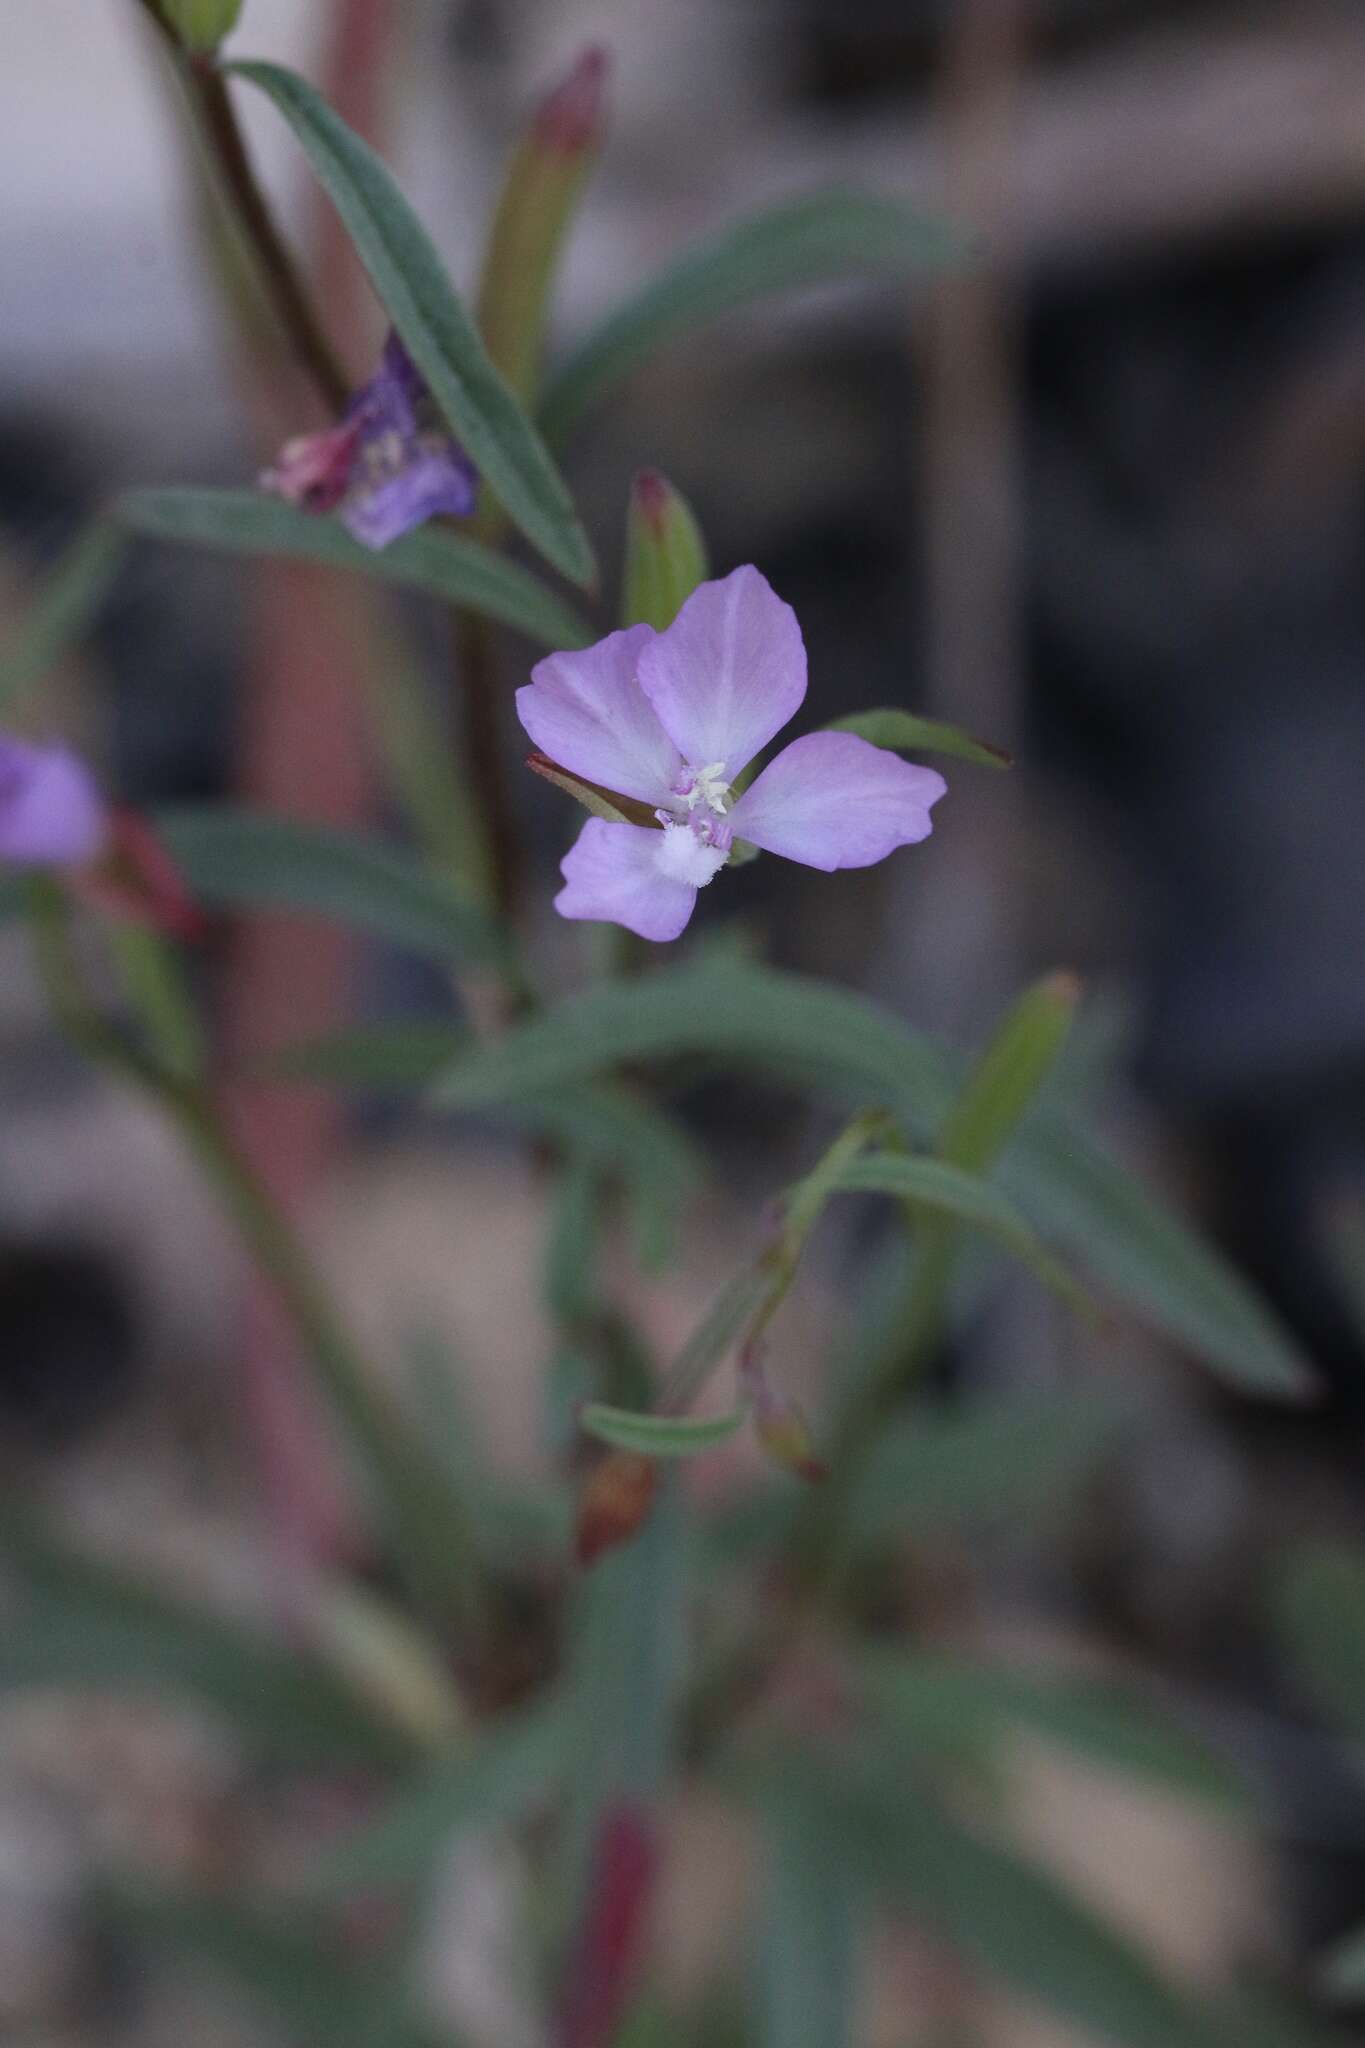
(704, 786)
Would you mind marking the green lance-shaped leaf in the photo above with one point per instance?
(665, 553)
(659, 1436)
(807, 1954)
(936, 1701)
(994, 1463)
(948, 1193)
(87, 1626)
(1320, 1609)
(438, 332)
(1009, 1074)
(495, 1781)
(823, 235)
(62, 612)
(235, 859)
(1012, 1921)
(284, 1960)
(440, 564)
(759, 1019)
(1149, 1258)
(901, 732)
(1341, 1972)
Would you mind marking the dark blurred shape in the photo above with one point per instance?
(67, 1340)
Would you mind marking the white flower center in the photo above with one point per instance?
(685, 856)
(706, 786)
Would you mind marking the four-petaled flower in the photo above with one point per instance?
(51, 813)
(671, 719)
(388, 466)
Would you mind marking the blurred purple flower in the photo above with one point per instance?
(51, 813)
(670, 719)
(387, 467)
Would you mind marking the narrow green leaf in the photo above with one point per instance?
(84, 1625)
(628, 1644)
(1150, 1259)
(62, 612)
(992, 1462)
(278, 1956)
(440, 336)
(440, 564)
(1013, 1921)
(948, 1191)
(1007, 1076)
(900, 732)
(383, 1057)
(936, 1700)
(659, 1436)
(1341, 1972)
(1320, 1608)
(237, 859)
(752, 1015)
(806, 1969)
(830, 234)
(497, 1781)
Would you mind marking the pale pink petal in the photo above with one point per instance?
(612, 875)
(588, 713)
(728, 673)
(832, 800)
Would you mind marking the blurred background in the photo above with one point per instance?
(1100, 498)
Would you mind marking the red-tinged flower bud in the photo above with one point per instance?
(607, 1948)
(665, 553)
(779, 1423)
(572, 117)
(614, 1503)
(136, 878)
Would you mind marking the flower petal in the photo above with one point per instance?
(589, 714)
(430, 480)
(832, 800)
(51, 813)
(728, 673)
(612, 875)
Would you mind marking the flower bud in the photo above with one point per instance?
(614, 1502)
(199, 25)
(51, 813)
(665, 553)
(779, 1423)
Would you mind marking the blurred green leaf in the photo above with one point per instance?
(384, 1057)
(627, 1653)
(1009, 1073)
(754, 1016)
(1319, 1601)
(439, 563)
(87, 1626)
(62, 611)
(936, 1699)
(989, 1462)
(238, 859)
(1149, 1259)
(278, 1956)
(948, 1191)
(806, 1961)
(496, 1781)
(659, 1436)
(200, 24)
(410, 279)
(1012, 1920)
(822, 235)
(1341, 1972)
(903, 733)
(1345, 1246)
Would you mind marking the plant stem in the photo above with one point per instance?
(482, 756)
(285, 287)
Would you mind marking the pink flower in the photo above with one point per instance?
(670, 719)
(388, 467)
(51, 814)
